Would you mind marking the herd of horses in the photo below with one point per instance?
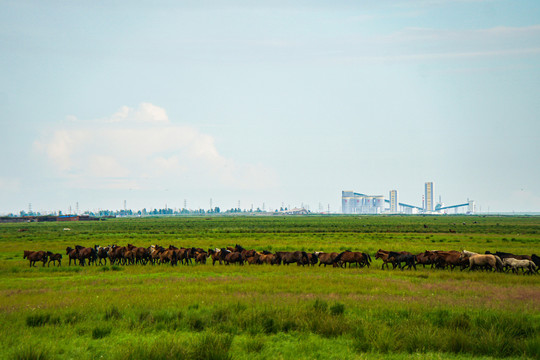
(172, 255)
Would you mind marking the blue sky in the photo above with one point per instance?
(278, 102)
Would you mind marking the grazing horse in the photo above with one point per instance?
(526, 265)
(54, 258)
(34, 256)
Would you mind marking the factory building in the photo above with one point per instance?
(355, 203)
(429, 197)
(394, 207)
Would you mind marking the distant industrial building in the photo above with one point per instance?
(357, 203)
(394, 207)
(428, 188)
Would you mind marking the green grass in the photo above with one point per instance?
(270, 312)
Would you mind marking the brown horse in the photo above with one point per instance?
(34, 256)
(54, 258)
(353, 257)
(234, 257)
(86, 253)
(267, 259)
(327, 258)
(383, 255)
(72, 255)
(450, 258)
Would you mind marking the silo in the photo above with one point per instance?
(368, 205)
(357, 204)
(378, 204)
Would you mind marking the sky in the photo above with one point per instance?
(268, 103)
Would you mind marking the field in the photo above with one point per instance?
(270, 312)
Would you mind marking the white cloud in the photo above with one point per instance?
(145, 113)
(140, 148)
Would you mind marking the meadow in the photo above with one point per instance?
(270, 312)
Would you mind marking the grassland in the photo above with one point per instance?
(269, 312)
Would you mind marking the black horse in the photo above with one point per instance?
(396, 259)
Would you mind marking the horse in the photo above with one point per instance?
(140, 253)
(86, 253)
(102, 253)
(267, 258)
(425, 258)
(327, 258)
(312, 259)
(398, 258)
(72, 254)
(215, 254)
(515, 265)
(298, 257)
(490, 261)
(450, 258)
(234, 257)
(353, 257)
(54, 258)
(536, 260)
(155, 251)
(383, 255)
(34, 256)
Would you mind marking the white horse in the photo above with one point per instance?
(515, 265)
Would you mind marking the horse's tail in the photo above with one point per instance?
(368, 258)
